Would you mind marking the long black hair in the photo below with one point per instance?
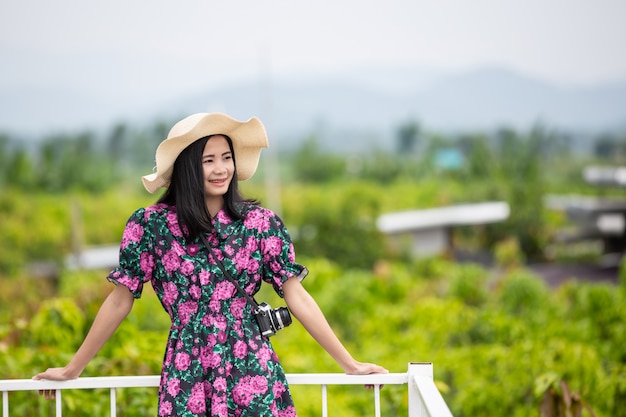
(186, 191)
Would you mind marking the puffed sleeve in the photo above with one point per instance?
(136, 260)
(279, 258)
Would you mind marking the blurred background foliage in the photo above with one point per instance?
(499, 337)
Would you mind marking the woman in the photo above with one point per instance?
(216, 362)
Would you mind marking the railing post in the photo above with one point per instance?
(416, 404)
(59, 402)
(424, 397)
(113, 400)
(5, 403)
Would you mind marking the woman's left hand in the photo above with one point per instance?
(361, 368)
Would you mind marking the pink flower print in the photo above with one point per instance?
(230, 251)
(253, 346)
(291, 254)
(237, 306)
(241, 259)
(186, 268)
(178, 248)
(170, 293)
(264, 355)
(278, 389)
(224, 290)
(173, 387)
(275, 267)
(172, 224)
(208, 358)
(220, 384)
(240, 349)
(221, 337)
(146, 262)
(215, 305)
(132, 233)
(171, 261)
(258, 220)
(208, 389)
(213, 240)
(205, 356)
(253, 266)
(220, 322)
(288, 412)
(252, 244)
(223, 218)
(186, 310)
(171, 217)
(215, 360)
(205, 277)
(219, 407)
(195, 292)
(258, 384)
(182, 361)
(242, 393)
(238, 330)
(213, 321)
(193, 249)
(179, 344)
(169, 356)
(196, 403)
(165, 409)
(272, 246)
(131, 283)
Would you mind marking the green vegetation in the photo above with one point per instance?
(502, 342)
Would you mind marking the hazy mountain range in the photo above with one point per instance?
(357, 109)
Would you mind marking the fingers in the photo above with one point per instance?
(48, 394)
(50, 374)
(370, 368)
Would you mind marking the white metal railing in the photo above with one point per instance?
(424, 398)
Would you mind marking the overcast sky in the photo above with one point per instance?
(165, 47)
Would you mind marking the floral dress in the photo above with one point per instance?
(216, 362)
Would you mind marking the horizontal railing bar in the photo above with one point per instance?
(343, 379)
(153, 381)
(81, 383)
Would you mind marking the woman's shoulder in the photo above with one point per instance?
(262, 219)
(153, 212)
(257, 210)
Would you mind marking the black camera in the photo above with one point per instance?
(272, 320)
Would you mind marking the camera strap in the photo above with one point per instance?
(219, 263)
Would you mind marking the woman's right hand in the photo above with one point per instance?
(53, 374)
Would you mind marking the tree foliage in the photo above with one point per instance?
(502, 342)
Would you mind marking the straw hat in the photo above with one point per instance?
(248, 139)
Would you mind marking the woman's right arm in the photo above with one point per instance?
(112, 312)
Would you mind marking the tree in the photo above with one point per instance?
(408, 138)
(311, 164)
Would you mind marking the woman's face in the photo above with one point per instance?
(218, 166)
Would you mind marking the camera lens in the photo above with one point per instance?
(283, 316)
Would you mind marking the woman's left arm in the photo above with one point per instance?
(308, 312)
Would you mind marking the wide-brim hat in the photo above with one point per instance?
(248, 139)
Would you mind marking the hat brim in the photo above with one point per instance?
(248, 139)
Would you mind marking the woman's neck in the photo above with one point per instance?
(214, 205)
